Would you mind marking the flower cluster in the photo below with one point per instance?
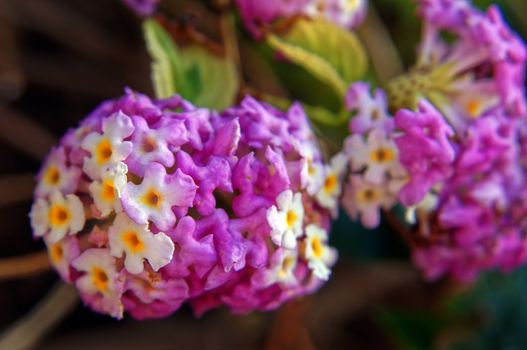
(482, 69)
(461, 145)
(152, 203)
(375, 172)
(257, 14)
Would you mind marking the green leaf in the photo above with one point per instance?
(330, 53)
(166, 62)
(199, 76)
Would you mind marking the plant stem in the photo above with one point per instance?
(383, 54)
(230, 40)
(28, 331)
(24, 266)
(16, 188)
(24, 133)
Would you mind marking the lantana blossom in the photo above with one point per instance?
(459, 131)
(166, 203)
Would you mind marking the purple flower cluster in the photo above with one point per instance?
(152, 203)
(478, 222)
(462, 150)
(455, 151)
(257, 14)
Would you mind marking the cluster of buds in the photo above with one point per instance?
(152, 203)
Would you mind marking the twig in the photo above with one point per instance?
(29, 330)
(70, 28)
(289, 330)
(24, 266)
(11, 76)
(24, 134)
(230, 40)
(91, 79)
(383, 54)
(16, 188)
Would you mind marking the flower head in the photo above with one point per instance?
(158, 203)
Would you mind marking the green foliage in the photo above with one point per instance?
(331, 54)
(199, 76)
(490, 315)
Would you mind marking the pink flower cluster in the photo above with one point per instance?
(257, 14)
(152, 203)
(466, 154)
(457, 162)
(462, 152)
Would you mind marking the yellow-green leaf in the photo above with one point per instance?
(332, 54)
(199, 76)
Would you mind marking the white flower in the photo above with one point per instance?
(100, 278)
(61, 254)
(58, 217)
(365, 199)
(55, 175)
(378, 154)
(154, 198)
(328, 195)
(109, 147)
(312, 173)
(319, 255)
(107, 192)
(138, 243)
(283, 263)
(286, 219)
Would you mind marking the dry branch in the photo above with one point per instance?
(25, 134)
(24, 266)
(29, 330)
(16, 188)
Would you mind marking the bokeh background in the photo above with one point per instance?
(60, 58)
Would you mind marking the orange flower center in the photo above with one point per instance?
(133, 242)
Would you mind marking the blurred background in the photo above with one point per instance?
(58, 60)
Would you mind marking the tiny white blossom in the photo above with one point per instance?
(286, 219)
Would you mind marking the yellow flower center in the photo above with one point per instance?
(152, 198)
(330, 183)
(100, 279)
(311, 171)
(133, 242)
(59, 215)
(108, 191)
(291, 218)
(287, 265)
(52, 176)
(368, 195)
(474, 108)
(317, 247)
(56, 252)
(382, 155)
(104, 151)
(149, 145)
